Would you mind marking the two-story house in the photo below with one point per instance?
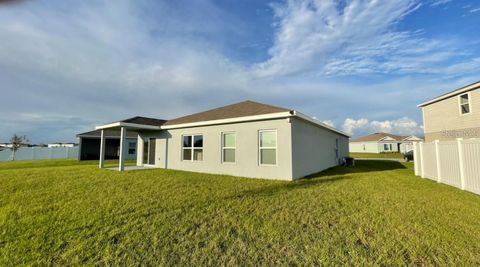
(453, 115)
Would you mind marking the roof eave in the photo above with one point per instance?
(127, 125)
(317, 122)
(269, 116)
(453, 93)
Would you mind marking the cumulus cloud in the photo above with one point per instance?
(355, 37)
(402, 126)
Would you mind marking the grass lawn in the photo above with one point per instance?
(392, 155)
(377, 213)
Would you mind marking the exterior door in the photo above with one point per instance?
(149, 151)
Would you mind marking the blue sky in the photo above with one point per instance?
(360, 65)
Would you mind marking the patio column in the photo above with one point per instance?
(121, 164)
(101, 163)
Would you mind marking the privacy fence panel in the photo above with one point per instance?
(429, 161)
(34, 153)
(449, 163)
(471, 149)
(456, 163)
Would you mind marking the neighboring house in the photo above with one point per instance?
(89, 145)
(453, 115)
(5, 145)
(61, 145)
(383, 142)
(245, 139)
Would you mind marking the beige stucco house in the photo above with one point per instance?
(246, 139)
(383, 143)
(453, 115)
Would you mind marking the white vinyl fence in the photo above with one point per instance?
(33, 153)
(456, 163)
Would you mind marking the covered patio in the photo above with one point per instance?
(132, 124)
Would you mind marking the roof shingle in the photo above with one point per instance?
(242, 109)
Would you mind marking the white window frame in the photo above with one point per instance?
(132, 145)
(192, 148)
(387, 146)
(228, 147)
(460, 104)
(260, 148)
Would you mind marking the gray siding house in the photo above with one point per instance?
(246, 139)
(453, 115)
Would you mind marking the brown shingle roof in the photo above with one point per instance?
(378, 136)
(145, 121)
(242, 109)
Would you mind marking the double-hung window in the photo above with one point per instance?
(192, 148)
(132, 147)
(229, 145)
(267, 147)
(465, 103)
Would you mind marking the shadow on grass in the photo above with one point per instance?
(361, 166)
(331, 175)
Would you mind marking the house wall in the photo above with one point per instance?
(169, 149)
(373, 147)
(443, 120)
(364, 147)
(313, 148)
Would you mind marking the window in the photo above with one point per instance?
(192, 147)
(465, 103)
(386, 147)
(131, 148)
(268, 147)
(229, 145)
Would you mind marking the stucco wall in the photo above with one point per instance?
(365, 147)
(169, 150)
(443, 121)
(314, 148)
(372, 147)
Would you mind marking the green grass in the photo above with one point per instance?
(390, 155)
(377, 213)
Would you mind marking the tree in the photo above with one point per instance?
(17, 141)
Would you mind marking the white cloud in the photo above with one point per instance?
(402, 126)
(357, 37)
(328, 122)
(439, 2)
(474, 10)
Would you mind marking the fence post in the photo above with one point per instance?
(415, 158)
(437, 157)
(33, 152)
(461, 160)
(66, 152)
(422, 165)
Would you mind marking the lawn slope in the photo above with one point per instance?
(375, 213)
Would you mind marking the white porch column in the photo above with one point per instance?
(101, 163)
(121, 163)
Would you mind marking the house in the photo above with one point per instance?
(6, 145)
(383, 142)
(89, 145)
(247, 139)
(453, 115)
(61, 145)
